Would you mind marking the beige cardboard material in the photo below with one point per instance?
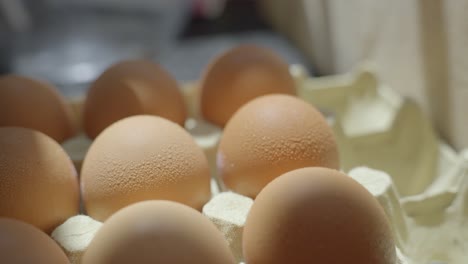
(417, 46)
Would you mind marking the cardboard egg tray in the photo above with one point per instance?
(386, 144)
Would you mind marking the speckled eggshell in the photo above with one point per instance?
(269, 136)
(158, 232)
(143, 158)
(23, 243)
(38, 182)
(240, 75)
(128, 88)
(29, 103)
(317, 215)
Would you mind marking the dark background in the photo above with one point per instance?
(70, 44)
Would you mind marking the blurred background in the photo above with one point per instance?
(70, 42)
(416, 46)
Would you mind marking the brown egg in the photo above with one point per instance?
(143, 158)
(39, 184)
(317, 215)
(130, 88)
(158, 232)
(29, 103)
(25, 244)
(269, 136)
(238, 76)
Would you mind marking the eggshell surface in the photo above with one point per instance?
(25, 102)
(240, 75)
(25, 244)
(269, 136)
(134, 87)
(143, 158)
(317, 215)
(38, 182)
(158, 232)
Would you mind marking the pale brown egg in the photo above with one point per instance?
(317, 215)
(38, 182)
(143, 158)
(23, 243)
(29, 103)
(158, 232)
(269, 136)
(128, 88)
(238, 76)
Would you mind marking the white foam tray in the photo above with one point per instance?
(374, 127)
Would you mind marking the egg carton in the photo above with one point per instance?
(418, 179)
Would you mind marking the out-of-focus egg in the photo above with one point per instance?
(38, 182)
(143, 158)
(128, 88)
(317, 215)
(23, 243)
(269, 136)
(239, 75)
(29, 103)
(158, 232)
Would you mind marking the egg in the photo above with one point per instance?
(128, 88)
(240, 75)
(29, 103)
(23, 243)
(143, 158)
(317, 215)
(269, 136)
(39, 184)
(158, 232)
